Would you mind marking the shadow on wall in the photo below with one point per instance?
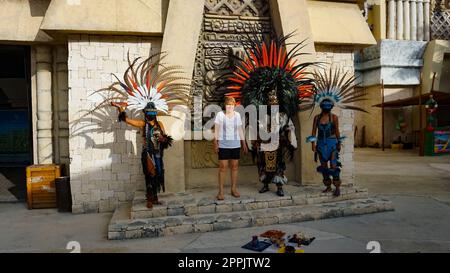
(108, 178)
(38, 8)
(100, 121)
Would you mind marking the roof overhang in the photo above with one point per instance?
(339, 23)
(144, 17)
(20, 21)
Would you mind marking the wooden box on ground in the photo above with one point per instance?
(41, 192)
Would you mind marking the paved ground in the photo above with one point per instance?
(5, 194)
(418, 186)
(13, 186)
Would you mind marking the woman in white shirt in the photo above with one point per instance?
(229, 138)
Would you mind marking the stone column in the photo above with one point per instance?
(420, 20)
(44, 104)
(426, 19)
(286, 17)
(391, 19)
(399, 19)
(413, 9)
(181, 34)
(407, 20)
(61, 100)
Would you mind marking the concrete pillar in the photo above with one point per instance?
(391, 19)
(407, 20)
(44, 104)
(61, 108)
(413, 10)
(426, 19)
(420, 20)
(286, 17)
(181, 34)
(399, 20)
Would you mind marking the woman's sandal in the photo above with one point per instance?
(220, 197)
(235, 194)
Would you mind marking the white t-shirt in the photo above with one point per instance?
(229, 137)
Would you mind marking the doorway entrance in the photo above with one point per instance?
(15, 121)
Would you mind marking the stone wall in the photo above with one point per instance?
(341, 57)
(395, 62)
(105, 164)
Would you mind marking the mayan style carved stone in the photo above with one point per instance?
(203, 156)
(225, 23)
(237, 7)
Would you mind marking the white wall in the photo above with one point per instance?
(105, 164)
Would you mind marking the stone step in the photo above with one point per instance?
(123, 227)
(203, 201)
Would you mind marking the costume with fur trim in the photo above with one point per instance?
(268, 75)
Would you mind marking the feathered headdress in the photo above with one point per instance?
(269, 66)
(145, 84)
(337, 87)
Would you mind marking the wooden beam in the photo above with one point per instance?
(421, 130)
(382, 115)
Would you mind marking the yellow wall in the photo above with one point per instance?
(433, 62)
(20, 20)
(372, 121)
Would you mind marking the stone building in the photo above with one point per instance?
(413, 47)
(71, 48)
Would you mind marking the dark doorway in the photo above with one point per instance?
(15, 121)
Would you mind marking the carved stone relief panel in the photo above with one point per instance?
(237, 7)
(225, 23)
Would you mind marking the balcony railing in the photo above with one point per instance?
(440, 20)
(408, 20)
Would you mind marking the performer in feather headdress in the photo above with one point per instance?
(152, 88)
(332, 89)
(268, 75)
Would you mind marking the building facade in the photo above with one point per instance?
(76, 45)
(411, 58)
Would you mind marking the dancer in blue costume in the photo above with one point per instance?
(328, 145)
(332, 89)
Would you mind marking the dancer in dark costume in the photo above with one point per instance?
(270, 156)
(152, 88)
(268, 75)
(154, 142)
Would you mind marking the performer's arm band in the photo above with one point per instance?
(122, 116)
(311, 139)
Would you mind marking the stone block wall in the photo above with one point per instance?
(105, 166)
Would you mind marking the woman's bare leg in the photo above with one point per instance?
(234, 165)
(223, 166)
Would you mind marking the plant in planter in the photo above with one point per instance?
(397, 144)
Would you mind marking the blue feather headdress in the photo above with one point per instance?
(337, 87)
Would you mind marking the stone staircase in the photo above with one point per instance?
(197, 210)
